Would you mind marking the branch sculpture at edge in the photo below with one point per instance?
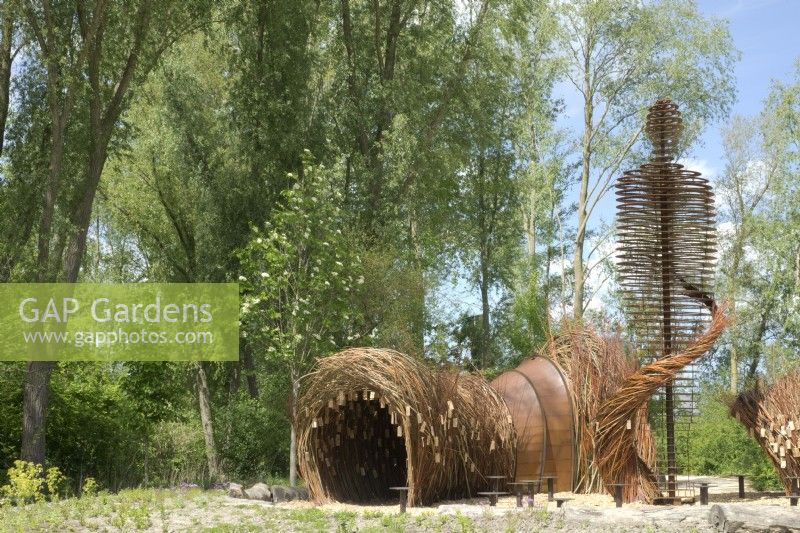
(615, 449)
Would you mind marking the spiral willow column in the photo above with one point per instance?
(667, 247)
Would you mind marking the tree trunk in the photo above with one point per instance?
(249, 370)
(530, 227)
(738, 246)
(204, 399)
(586, 159)
(419, 315)
(6, 40)
(34, 411)
(293, 435)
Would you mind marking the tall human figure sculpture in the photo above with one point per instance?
(666, 257)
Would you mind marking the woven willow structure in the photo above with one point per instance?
(771, 415)
(554, 398)
(667, 245)
(617, 452)
(370, 419)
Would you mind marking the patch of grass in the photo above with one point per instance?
(395, 522)
(345, 521)
(313, 518)
(465, 523)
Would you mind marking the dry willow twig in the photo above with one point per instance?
(371, 418)
(772, 417)
(616, 452)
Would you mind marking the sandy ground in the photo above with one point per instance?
(193, 510)
(721, 490)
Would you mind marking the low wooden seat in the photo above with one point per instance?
(403, 491)
(561, 501)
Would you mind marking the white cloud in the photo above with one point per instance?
(702, 166)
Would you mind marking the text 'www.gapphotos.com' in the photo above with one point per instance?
(100, 339)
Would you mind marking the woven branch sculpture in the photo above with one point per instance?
(617, 456)
(772, 417)
(595, 367)
(370, 419)
(666, 231)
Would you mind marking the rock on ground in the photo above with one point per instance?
(744, 519)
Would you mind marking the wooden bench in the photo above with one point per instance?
(561, 501)
(403, 497)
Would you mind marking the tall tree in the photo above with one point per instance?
(509, 96)
(399, 67)
(620, 56)
(92, 54)
(174, 188)
(9, 47)
(753, 165)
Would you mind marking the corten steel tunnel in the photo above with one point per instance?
(538, 398)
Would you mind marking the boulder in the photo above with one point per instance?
(259, 491)
(235, 490)
(287, 494)
(754, 519)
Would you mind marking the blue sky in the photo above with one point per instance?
(767, 33)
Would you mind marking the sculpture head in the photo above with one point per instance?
(664, 128)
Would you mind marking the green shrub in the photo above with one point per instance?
(25, 483)
(56, 483)
(28, 483)
(721, 446)
(90, 487)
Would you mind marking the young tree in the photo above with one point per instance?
(299, 273)
(620, 56)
